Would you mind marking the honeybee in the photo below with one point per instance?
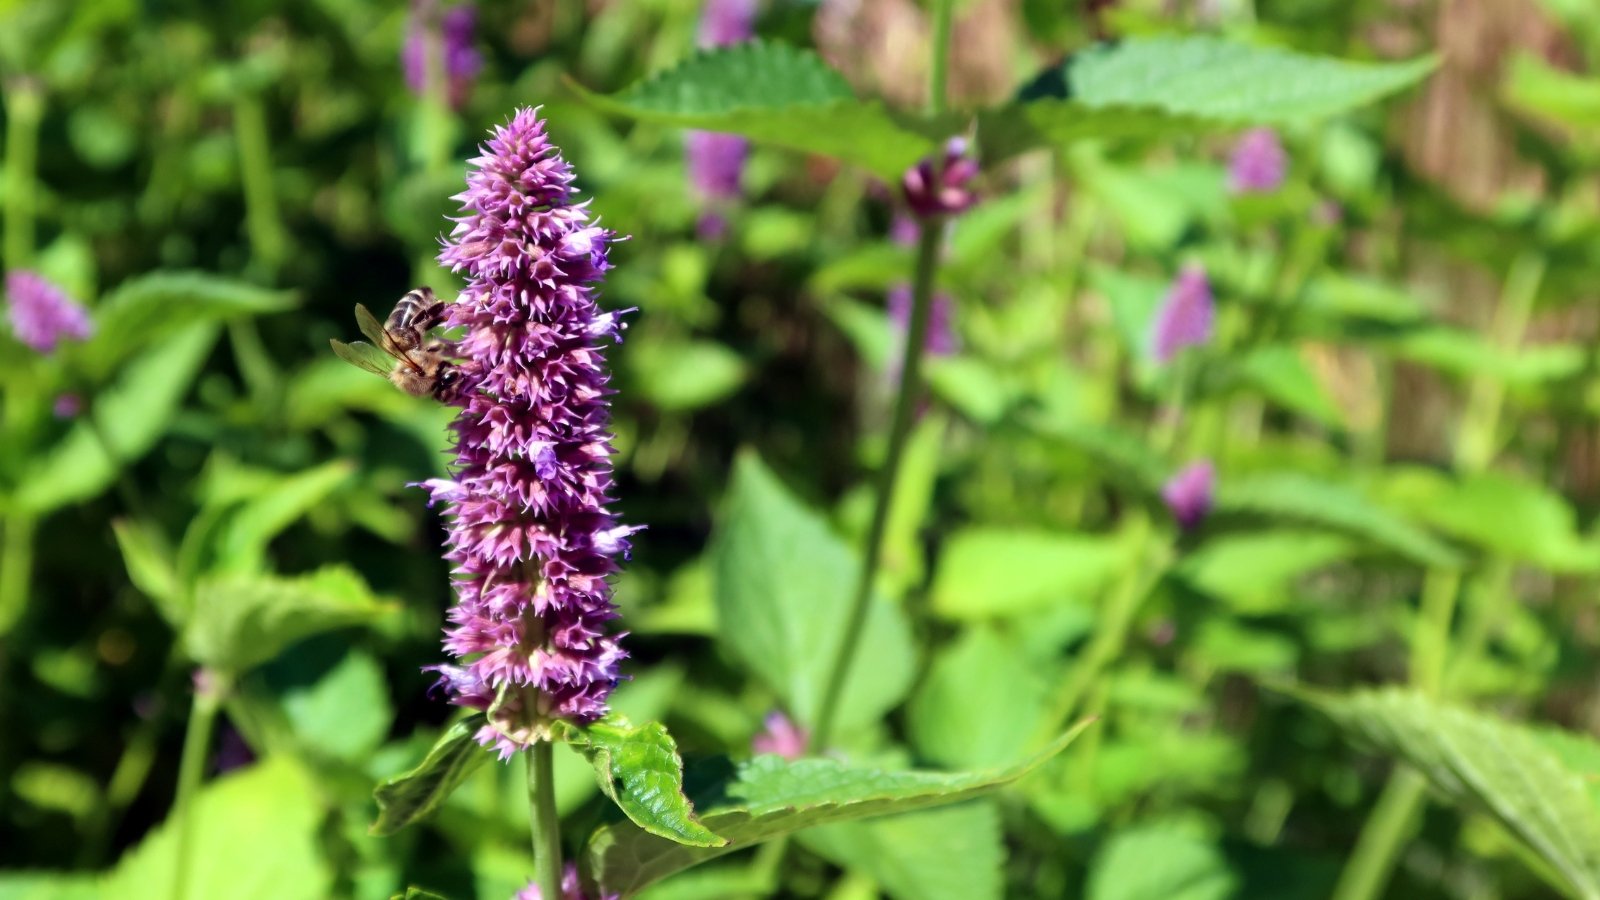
(403, 353)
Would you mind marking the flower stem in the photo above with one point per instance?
(262, 222)
(542, 815)
(191, 766)
(905, 404)
(1390, 823)
(24, 110)
(16, 567)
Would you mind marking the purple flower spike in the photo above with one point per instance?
(459, 62)
(782, 736)
(939, 188)
(1186, 317)
(941, 339)
(532, 536)
(1258, 163)
(42, 315)
(571, 889)
(1188, 494)
(724, 22)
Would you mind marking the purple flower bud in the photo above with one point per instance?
(724, 22)
(939, 188)
(571, 889)
(904, 230)
(1188, 494)
(1258, 163)
(458, 61)
(782, 736)
(42, 315)
(532, 535)
(716, 163)
(1186, 317)
(941, 339)
(67, 406)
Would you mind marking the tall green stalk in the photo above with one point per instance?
(268, 239)
(905, 404)
(208, 693)
(542, 815)
(1393, 818)
(24, 111)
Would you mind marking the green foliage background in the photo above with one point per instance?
(1401, 403)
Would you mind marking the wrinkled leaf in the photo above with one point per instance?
(639, 769)
(414, 795)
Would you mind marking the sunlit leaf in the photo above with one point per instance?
(414, 795)
(639, 769)
(950, 853)
(240, 621)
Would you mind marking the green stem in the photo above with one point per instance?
(191, 767)
(542, 815)
(262, 221)
(24, 110)
(905, 404)
(1386, 831)
(939, 74)
(1390, 823)
(16, 568)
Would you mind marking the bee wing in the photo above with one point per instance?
(363, 355)
(370, 327)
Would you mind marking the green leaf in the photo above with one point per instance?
(416, 893)
(1482, 763)
(680, 375)
(346, 713)
(781, 95)
(952, 853)
(241, 621)
(1154, 86)
(953, 718)
(151, 567)
(130, 415)
(1281, 373)
(1536, 88)
(1159, 863)
(256, 837)
(1503, 514)
(768, 797)
(147, 310)
(24, 885)
(1467, 354)
(1255, 572)
(986, 572)
(241, 545)
(1296, 496)
(414, 795)
(639, 769)
(783, 585)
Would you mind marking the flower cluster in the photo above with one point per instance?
(571, 889)
(42, 315)
(458, 61)
(532, 536)
(779, 734)
(1258, 163)
(1187, 315)
(715, 160)
(941, 339)
(1188, 494)
(940, 187)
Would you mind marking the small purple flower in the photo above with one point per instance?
(571, 888)
(904, 230)
(939, 187)
(1186, 317)
(1188, 494)
(782, 736)
(941, 339)
(715, 160)
(42, 315)
(67, 406)
(450, 36)
(724, 22)
(1258, 163)
(532, 535)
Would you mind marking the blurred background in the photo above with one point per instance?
(218, 185)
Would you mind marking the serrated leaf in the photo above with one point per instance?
(1155, 86)
(1300, 497)
(986, 572)
(768, 797)
(782, 584)
(240, 621)
(1482, 763)
(950, 853)
(414, 795)
(639, 769)
(781, 95)
(131, 415)
(148, 309)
